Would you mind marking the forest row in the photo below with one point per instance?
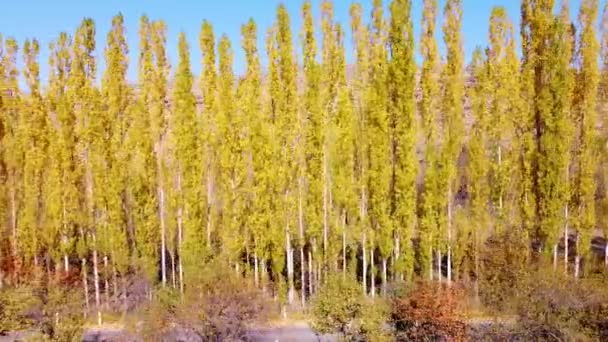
(387, 166)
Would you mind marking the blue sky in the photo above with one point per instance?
(43, 19)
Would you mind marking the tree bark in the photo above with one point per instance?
(163, 242)
(310, 274)
(289, 254)
(555, 257)
(384, 276)
(372, 273)
(106, 276)
(606, 254)
(566, 242)
(66, 264)
(96, 283)
(439, 262)
(85, 284)
(449, 261)
(256, 274)
(302, 276)
(364, 282)
(344, 244)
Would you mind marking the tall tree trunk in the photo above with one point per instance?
(397, 253)
(125, 303)
(344, 243)
(96, 281)
(555, 257)
(372, 273)
(85, 285)
(210, 200)
(449, 261)
(606, 254)
(180, 241)
(566, 242)
(302, 275)
(256, 274)
(106, 276)
(161, 214)
(325, 209)
(301, 231)
(384, 276)
(431, 264)
(577, 260)
(173, 273)
(14, 217)
(439, 264)
(289, 254)
(310, 274)
(66, 264)
(114, 276)
(363, 248)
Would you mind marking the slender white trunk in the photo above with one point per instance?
(439, 262)
(289, 254)
(173, 273)
(500, 200)
(449, 261)
(566, 242)
(114, 277)
(210, 200)
(555, 257)
(85, 284)
(96, 283)
(577, 259)
(106, 276)
(431, 264)
(363, 247)
(302, 275)
(606, 254)
(301, 230)
(256, 274)
(310, 274)
(344, 243)
(180, 241)
(397, 253)
(66, 264)
(325, 209)
(163, 242)
(372, 273)
(125, 303)
(14, 219)
(384, 276)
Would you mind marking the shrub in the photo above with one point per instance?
(18, 306)
(428, 312)
(222, 306)
(340, 307)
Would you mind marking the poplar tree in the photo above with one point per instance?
(402, 80)
(186, 144)
(260, 215)
(428, 107)
(113, 158)
(83, 101)
(231, 159)
(286, 115)
(63, 197)
(452, 114)
(343, 162)
(11, 139)
(501, 98)
(479, 161)
(32, 127)
(585, 113)
(379, 144)
(208, 126)
(313, 135)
